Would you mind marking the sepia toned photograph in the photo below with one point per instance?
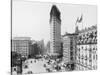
(51, 37)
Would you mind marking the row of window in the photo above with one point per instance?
(87, 38)
(89, 49)
(88, 34)
(81, 67)
(87, 41)
(85, 57)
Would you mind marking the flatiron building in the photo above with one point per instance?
(55, 32)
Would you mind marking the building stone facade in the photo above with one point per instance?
(69, 48)
(86, 54)
(21, 45)
(55, 32)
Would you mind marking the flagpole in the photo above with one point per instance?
(82, 21)
(82, 25)
(76, 22)
(76, 25)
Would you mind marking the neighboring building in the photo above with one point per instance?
(86, 54)
(21, 45)
(41, 47)
(48, 47)
(32, 49)
(55, 33)
(69, 48)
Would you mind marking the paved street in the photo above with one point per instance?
(41, 66)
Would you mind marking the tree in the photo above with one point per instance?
(15, 59)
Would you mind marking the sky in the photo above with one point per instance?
(31, 19)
